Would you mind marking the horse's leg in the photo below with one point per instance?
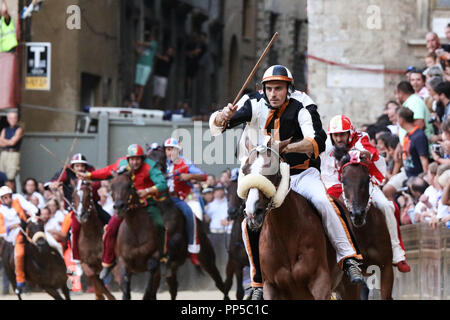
(387, 282)
(154, 279)
(229, 278)
(100, 289)
(270, 292)
(97, 283)
(207, 260)
(240, 288)
(320, 285)
(53, 292)
(66, 292)
(125, 285)
(348, 290)
(172, 281)
(105, 290)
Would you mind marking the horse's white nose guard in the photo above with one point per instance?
(245, 183)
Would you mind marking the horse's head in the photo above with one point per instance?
(35, 231)
(123, 191)
(235, 204)
(83, 203)
(157, 154)
(260, 180)
(354, 175)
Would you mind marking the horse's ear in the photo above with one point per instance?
(248, 144)
(365, 156)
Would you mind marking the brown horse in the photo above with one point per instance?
(44, 266)
(90, 242)
(296, 258)
(137, 239)
(368, 223)
(177, 236)
(237, 257)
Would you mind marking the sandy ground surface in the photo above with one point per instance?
(182, 295)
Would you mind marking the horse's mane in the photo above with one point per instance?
(341, 154)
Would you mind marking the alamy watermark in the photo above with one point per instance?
(73, 21)
(374, 21)
(228, 148)
(373, 281)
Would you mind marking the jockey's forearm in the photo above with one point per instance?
(196, 176)
(304, 146)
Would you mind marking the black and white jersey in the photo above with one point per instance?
(253, 110)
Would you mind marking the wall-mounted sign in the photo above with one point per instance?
(38, 66)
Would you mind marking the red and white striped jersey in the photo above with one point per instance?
(360, 141)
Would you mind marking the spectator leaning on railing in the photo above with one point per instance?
(441, 150)
(443, 214)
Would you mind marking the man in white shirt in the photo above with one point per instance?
(219, 225)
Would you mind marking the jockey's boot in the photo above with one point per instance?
(352, 270)
(253, 293)
(194, 259)
(403, 266)
(257, 293)
(247, 293)
(106, 270)
(20, 286)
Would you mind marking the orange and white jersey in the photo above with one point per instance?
(10, 216)
(26, 205)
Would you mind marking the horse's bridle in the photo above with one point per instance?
(355, 160)
(91, 200)
(264, 149)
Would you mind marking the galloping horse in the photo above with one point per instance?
(297, 261)
(44, 266)
(90, 242)
(237, 258)
(177, 237)
(368, 223)
(137, 239)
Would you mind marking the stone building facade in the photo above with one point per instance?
(95, 64)
(83, 61)
(248, 27)
(383, 35)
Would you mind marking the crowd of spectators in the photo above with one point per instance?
(413, 135)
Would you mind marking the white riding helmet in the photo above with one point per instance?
(78, 158)
(5, 190)
(172, 142)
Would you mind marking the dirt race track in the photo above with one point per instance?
(182, 295)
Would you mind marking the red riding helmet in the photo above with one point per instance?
(135, 150)
(339, 124)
